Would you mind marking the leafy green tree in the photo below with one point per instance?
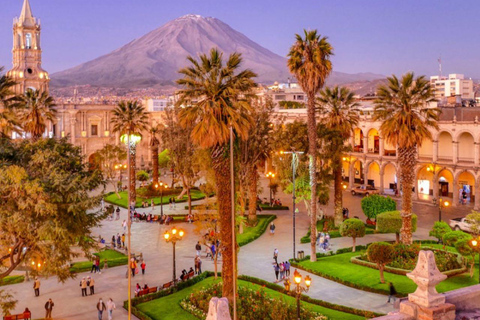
(474, 221)
(37, 107)
(8, 120)
(353, 228)
(45, 206)
(214, 96)
(468, 252)
(164, 159)
(142, 176)
(391, 222)
(130, 118)
(106, 160)
(380, 253)
(375, 204)
(309, 61)
(402, 107)
(450, 238)
(439, 229)
(338, 108)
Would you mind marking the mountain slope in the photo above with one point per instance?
(155, 58)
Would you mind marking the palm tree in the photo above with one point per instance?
(130, 118)
(8, 119)
(309, 61)
(340, 113)
(154, 144)
(402, 106)
(211, 97)
(37, 107)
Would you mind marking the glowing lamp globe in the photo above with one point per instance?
(134, 138)
(166, 236)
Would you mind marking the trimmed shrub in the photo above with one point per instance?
(142, 175)
(375, 204)
(451, 237)
(391, 222)
(474, 221)
(439, 229)
(380, 253)
(353, 228)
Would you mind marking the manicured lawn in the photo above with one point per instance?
(114, 258)
(168, 308)
(340, 269)
(113, 199)
(252, 233)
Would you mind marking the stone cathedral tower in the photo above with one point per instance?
(27, 53)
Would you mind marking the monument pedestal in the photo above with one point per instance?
(445, 311)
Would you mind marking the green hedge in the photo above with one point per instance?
(391, 222)
(253, 233)
(11, 280)
(114, 259)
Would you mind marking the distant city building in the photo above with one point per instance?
(27, 53)
(453, 85)
(153, 105)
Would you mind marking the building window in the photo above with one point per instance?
(28, 41)
(94, 131)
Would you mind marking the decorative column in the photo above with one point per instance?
(382, 171)
(381, 146)
(351, 176)
(435, 187)
(73, 122)
(435, 151)
(476, 206)
(426, 303)
(365, 144)
(476, 159)
(365, 175)
(455, 192)
(455, 152)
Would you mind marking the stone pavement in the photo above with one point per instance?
(254, 259)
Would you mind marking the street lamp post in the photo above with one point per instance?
(298, 289)
(441, 204)
(162, 186)
(294, 169)
(173, 236)
(270, 175)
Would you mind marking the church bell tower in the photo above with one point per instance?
(27, 53)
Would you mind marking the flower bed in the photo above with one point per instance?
(251, 304)
(406, 259)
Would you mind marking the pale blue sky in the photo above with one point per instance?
(380, 36)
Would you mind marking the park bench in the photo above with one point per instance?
(25, 315)
(147, 291)
(168, 285)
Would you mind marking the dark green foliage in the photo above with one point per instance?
(380, 252)
(376, 204)
(451, 237)
(291, 104)
(391, 222)
(353, 228)
(439, 229)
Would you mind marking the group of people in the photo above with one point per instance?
(276, 203)
(282, 270)
(139, 288)
(109, 307)
(145, 204)
(184, 275)
(85, 283)
(118, 241)
(96, 265)
(171, 202)
(323, 241)
(134, 266)
(345, 213)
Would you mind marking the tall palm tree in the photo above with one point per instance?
(8, 119)
(402, 106)
(130, 118)
(309, 61)
(37, 107)
(211, 96)
(154, 145)
(339, 110)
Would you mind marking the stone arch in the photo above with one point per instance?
(426, 178)
(466, 146)
(426, 149)
(373, 141)
(445, 146)
(389, 177)
(445, 178)
(373, 173)
(357, 171)
(466, 185)
(358, 140)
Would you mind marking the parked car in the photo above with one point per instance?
(460, 224)
(365, 190)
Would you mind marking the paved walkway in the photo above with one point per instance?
(254, 259)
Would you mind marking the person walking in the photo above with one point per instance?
(275, 255)
(83, 286)
(276, 268)
(282, 270)
(143, 266)
(287, 269)
(101, 307)
(392, 293)
(123, 240)
(170, 203)
(110, 307)
(133, 266)
(272, 228)
(118, 213)
(48, 309)
(36, 287)
(198, 247)
(173, 202)
(97, 264)
(91, 284)
(119, 241)
(124, 225)
(198, 265)
(114, 245)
